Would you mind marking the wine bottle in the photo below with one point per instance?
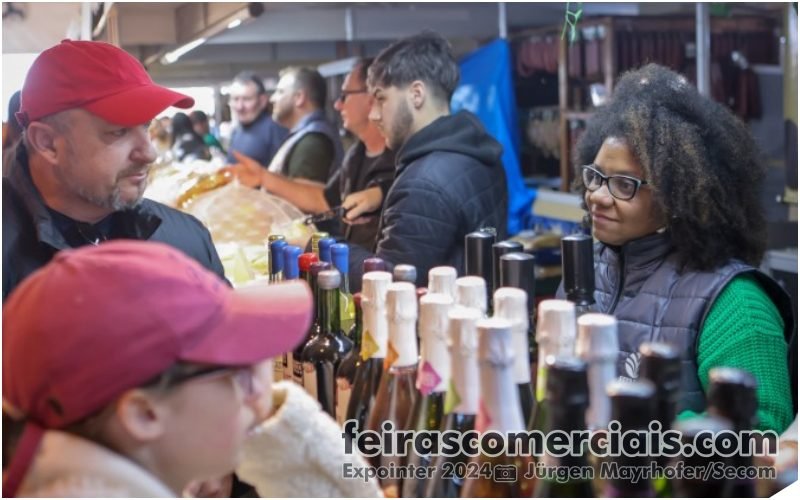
(517, 270)
(276, 260)
(461, 401)
(633, 406)
(661, 365)
(433, 376)
(555, 336)
(323, 353)
(478, 259)
(512, 304)
(442, 279)
(324, 245)
(297, 361)
(270, 239)
(498, 250)
(315, 241)
(374, 343)
(732, 395)
(346, 374)
(703, 435)
(577, 261)
(471, 292)
(568, 400)
(304, 264)
(291, 271)
(397, 393)
(340, 258)
(498, 411)
(598, 346)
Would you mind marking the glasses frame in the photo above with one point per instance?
(243, 377)
(344, 94)
(604, 179)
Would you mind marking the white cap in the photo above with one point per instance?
(512, 304)
(555, 328)
(463, 347)
(433, 309)
(597, 337)
(494, 341)
(373, 286)
(433, 373)
(401, 301)
(401, 313)
(471, 292)
(463, 333)
(442, 279)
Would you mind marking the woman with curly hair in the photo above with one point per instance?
(671, 183)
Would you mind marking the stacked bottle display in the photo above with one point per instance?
(477, 354)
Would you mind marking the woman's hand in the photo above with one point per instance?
(248, 171)
(362, 202)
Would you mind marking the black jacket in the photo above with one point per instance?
(449, 181)
(31, 236)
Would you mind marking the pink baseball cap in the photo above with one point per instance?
(98, 77)
(97, 321)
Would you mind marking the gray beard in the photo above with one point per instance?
(113, 201)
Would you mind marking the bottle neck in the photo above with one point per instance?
(499, 408)
(566, 418)
(374, 341)
(434, 369)
(522, 367)
(600, 373)
(462, 393)
(329, 312)
(355, 332)
(402, 345)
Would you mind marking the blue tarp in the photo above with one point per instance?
(486, 89)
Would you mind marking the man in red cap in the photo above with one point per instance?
(136, 371)
(81, 168)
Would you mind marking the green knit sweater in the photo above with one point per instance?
(745, 330)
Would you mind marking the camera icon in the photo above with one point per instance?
(505, 473)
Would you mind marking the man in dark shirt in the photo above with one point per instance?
(313, 150)
(79, 174)
(366, 173)
(256, 133)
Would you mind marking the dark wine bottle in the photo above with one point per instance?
(478, 259)
(346, 374)
(498, 250)
(397, 393)
(315, 241)
(270, 239)
(291, 271)
(304, 264)
(577, 268)
(323, 353)
(633, 406)
(461, 401)
(433, 376)
(512, 304)
(703, 435)
(297, 361)
(340, 258)
(568, 398)
(732, 395)
(374, 343)
(517, 270)
(276, 260)
(498, 411)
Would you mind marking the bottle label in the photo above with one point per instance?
(347, 311)
(288, 367)
(297, 372)
(483, 420)
(427, 379)
(452, 399)
(368, 346)
(391, 356)
(310, 379)
(343, 391)
(278, 367)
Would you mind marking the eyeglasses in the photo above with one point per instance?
(345, 93)
(621, 187)
(242, 376)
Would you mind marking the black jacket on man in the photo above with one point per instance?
(32, 233)
(449, 182)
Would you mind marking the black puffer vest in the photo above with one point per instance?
(641, 285)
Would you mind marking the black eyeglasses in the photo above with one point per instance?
(179, 374)
(346, 93)
(621, 187)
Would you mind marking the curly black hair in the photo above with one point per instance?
(701, 161)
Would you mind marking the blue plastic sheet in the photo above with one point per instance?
(486, 89)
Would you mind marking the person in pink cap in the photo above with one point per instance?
(137, 371)
(80, 171)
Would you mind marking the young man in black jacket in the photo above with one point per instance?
(80, 171)
(449, 178)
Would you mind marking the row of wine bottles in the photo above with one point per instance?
(434, 359)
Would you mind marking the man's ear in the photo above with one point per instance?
(44, 140)
(417, 94)
(300, 98)
(141, 415)
(263, 101)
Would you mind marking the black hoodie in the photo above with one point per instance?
(449, 182)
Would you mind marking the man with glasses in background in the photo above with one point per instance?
(256, 134)
(366, 173)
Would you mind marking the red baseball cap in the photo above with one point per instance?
(98, 77)
(97, 321)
